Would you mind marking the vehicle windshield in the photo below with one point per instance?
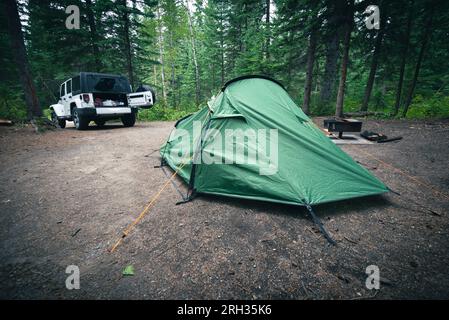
(99, 83)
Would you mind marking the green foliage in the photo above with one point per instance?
(12, 106)
(228, 38)
(164, 113)
(436, 106)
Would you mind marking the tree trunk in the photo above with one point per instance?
(93, 35)
(20, 56)
(316, 73)
(344, 69)
(372, 73)
(161, 54)
(212, 87)
(127, 43)
(309, 72)
(222, 64)
(154, 74)
(425, 40)
(330, 68)
(332, 50)
(267, 23)
(174, 90)
(195, 61)
(222, 47)
(403, 61)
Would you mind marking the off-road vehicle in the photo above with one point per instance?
(99, 97)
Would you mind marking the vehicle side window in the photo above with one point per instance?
(69, 86)
(62, 92)
(76, 85)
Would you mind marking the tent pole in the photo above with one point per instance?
(320, 225)
(198, 151)
(188, 198)
(184, 198)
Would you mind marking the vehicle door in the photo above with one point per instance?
(68, 91)
(63, 98)
(144, 98)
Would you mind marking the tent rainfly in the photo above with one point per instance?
(252, 141)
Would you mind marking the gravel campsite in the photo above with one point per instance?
(66, 196)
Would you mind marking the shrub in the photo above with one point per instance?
(12, 106)
(436, 106)
(162, 112)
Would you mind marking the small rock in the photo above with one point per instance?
(343, 278)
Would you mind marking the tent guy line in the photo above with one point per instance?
(145, 210)
(431, 187)
(150, 204)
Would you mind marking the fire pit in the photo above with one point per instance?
(342, 125)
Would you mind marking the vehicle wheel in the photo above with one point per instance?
(129, 120)
(81, 123)
(57, 122)
(100, 123)
(61, 123)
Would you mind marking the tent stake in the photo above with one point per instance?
(320, 225)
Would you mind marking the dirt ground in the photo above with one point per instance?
(66, 196)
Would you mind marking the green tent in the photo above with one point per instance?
(252, 141)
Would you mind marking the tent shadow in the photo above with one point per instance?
(359, 205)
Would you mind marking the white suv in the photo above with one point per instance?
(99, 97)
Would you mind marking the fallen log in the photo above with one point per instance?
(364, 114)
(4, 122)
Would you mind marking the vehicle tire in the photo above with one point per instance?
(61, 123)
(129, 120)
(100, 123)
(57, 122)
(81, 123)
